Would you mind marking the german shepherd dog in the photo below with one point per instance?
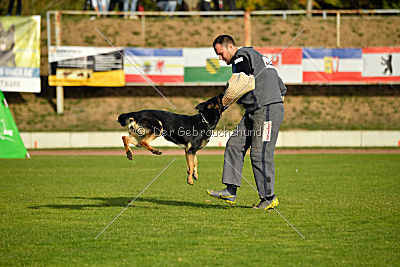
(7, 57)
(191, 133)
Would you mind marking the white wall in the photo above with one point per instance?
(286, 139)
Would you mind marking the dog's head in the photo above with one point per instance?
(212, 110)
(124, 119)
(212, 104)
(6, 38)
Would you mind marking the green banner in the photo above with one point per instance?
(202, 74)
(11, 145)
(203, 66)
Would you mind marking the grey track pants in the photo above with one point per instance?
(249, 133)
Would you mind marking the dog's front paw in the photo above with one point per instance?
(157, 152)
(190, 181)
(195, 176)
(129, 155)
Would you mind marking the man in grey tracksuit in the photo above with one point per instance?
(258, 128)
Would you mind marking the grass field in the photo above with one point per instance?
(52, 208)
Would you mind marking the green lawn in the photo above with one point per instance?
(52, 208)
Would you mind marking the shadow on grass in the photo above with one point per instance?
(124, 201)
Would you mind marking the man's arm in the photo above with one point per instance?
(282, 87)
(242, 64)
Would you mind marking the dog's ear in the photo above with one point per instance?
(200, 106)
(220, 96)
(11, 29)
(122, 119)
(217, 101)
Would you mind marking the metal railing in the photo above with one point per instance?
(246, 15)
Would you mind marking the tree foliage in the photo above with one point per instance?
(40, 7)
(317, 4)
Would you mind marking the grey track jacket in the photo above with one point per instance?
(269, 86)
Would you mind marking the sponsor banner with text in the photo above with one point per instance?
(86, 66)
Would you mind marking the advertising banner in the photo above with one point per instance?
(86, 66)
(20, 54)
(75, 66)
(158, 65)
(11, 145)
(288, 63)
(203, 66)
(332, 65)
(381, 64)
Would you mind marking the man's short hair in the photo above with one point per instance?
(224, 40)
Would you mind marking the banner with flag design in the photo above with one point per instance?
(332, 65)
(157, 65)
(203, 66)
(287, 62)
(381, 64)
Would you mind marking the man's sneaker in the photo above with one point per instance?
(266, 205)
(224, 195)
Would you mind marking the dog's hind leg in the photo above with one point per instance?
(190, 164)
(195, 173)
(128, 140)
(145, 143)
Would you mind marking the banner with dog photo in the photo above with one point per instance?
(86, 66)
(20, 54)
